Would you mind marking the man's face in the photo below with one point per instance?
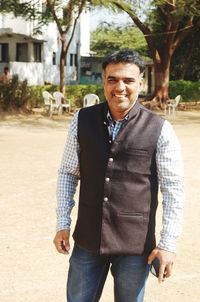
(122, 84)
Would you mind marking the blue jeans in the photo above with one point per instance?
(88, 272)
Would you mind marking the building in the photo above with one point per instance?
(36, 57)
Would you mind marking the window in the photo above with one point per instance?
(3, 52)
(73, 59)
(37, 50)
(22, 52)
(54, 58)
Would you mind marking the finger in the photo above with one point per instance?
(168, 270)
(161, 276)
(58, 242)
(60, 248)
(66, 245)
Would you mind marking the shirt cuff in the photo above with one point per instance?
(62, 226)
(63, 219)
(167, 244)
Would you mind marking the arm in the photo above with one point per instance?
(68, 176)
(170, 176)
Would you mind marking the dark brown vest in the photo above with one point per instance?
(119, 187)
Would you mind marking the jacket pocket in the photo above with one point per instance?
(137, 160)
(130, 215)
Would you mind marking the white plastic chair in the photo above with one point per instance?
(90, 99)
(172, 104)
(48, 101)
(59, 96)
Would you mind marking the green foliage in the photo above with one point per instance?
(165, 24)
(20, 8)
(74, 93)
(14, 95)
(187, 69)
(109, 37)
(189, 91)
(19, 96)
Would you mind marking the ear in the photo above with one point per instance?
(141, 82)
(103, 77)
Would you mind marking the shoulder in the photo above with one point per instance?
(92, 112)
(151, 118)
(93, 108)
(151, 113)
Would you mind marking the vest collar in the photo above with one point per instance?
(132, 113)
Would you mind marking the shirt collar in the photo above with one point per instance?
(110, 119)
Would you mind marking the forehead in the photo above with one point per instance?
(122, 70)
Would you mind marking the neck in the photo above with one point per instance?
(120, 115)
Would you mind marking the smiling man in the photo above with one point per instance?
(122, 84)
(121, 152)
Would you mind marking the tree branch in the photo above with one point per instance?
(183, 32)
(83, 2)
(51, 5)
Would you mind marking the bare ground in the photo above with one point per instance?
(30, 268)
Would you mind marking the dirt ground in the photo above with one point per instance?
(30, 268)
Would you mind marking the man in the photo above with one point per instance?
(5, 77)
(120, 151)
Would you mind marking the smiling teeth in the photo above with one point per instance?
(120, 95)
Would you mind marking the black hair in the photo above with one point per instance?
(6, 69)
(126, 56)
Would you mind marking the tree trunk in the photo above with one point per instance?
(62, 65)
(162, 73)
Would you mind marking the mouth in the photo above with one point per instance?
(120, 96)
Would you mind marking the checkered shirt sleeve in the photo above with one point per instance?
(170, 176)
(68, 176)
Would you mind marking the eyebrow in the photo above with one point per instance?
(126, 78)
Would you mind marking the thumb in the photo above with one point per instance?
(66, 244)
(151, 257)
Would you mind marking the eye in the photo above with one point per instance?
(111, 80)
(129, 81)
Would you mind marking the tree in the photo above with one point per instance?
(164, 28)
(66, 24)
(109, 36)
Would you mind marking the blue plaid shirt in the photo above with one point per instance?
(170, 176)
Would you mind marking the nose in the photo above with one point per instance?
(120, 85)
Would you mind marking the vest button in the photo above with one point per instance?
(105, 199)
(107, 179)
(110, 159)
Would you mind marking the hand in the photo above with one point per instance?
(61, 241)
(166, 259)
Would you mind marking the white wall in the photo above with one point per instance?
(19, 25)
(31, 71)
(85, 33)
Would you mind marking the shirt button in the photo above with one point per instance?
(107, 179)
(110, 159)
(105, 199)
(110, 142)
